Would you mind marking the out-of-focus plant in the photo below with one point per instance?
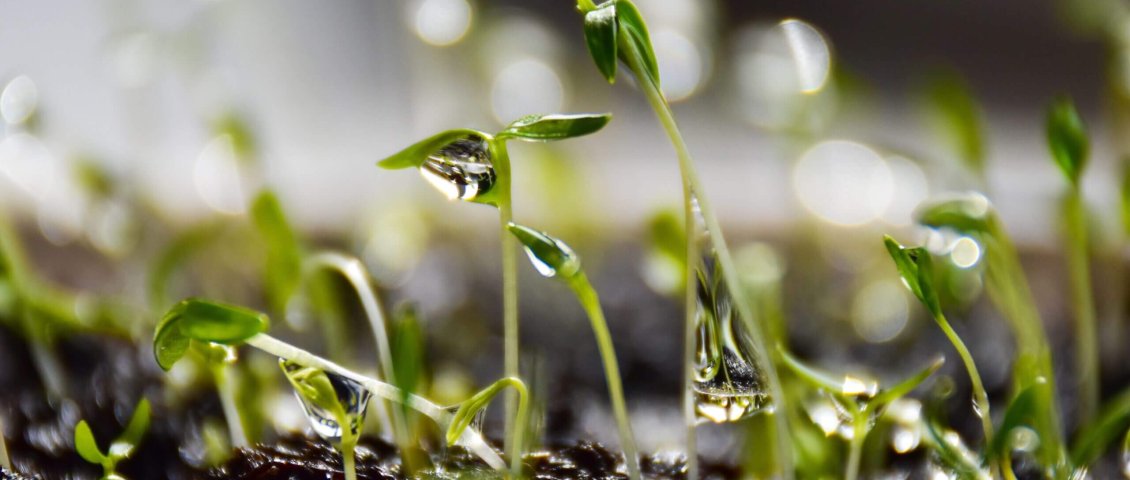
(121, 448)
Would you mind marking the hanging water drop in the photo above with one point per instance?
(351, 395)
(461, 170)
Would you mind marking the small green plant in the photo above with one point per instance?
(615, 31)
(201, 321)
(470, 409)
(121, 448)
(1067, 139)
(474, 166)
(862, 401)
(554, 259)
(336, 410)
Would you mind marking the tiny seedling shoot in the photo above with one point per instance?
(554, 259)
(474, 166)
(120, 449)
(615, 31)
(470, 409)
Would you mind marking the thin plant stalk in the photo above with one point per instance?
(348, 461)
(979, 394)
(693, 190)
(1082, 302)
(354, 271)
(470, 439)
(501, 158)
(855, 446)
(225, 387)
(589, 300)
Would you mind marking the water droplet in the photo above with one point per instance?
(571, 265)
(1024, 439)
(977, 409)
(728, 384)
(858, 387)
(352, 396)
(905, 439)
(476, 423)
(462, 169)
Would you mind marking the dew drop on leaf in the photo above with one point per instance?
(461, 170)
(352, 396)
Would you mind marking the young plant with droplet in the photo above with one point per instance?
(972, 215)
(615, 31)
(335, 406)
(552, 258)
(120, 449)
(857, 402)
(474, 166)
(1069, 145)
(472, 408)
(202, 321)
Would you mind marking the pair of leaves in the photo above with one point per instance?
(121, 448)
(613, 27)
(204, 321)
(555, 255)
(537, 128)
(1067, 139)
(917, 271)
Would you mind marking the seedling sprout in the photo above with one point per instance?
(120, 449)
(472, 407)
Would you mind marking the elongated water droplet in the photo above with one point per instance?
(461, 170)
(352, 396)
(728, 384)
(571, 265)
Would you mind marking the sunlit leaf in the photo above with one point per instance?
(600, 36)
(1067, 139)
(551, 257)
(416, 154)
(555, 127)
(205, 321)
(634, 31)
(86, 446)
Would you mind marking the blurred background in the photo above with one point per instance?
(817, 126)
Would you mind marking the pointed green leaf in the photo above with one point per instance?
(904, 387)
(1023, 411)
(916, 269)
(417, 153)
(138, 424)
(550, 256)
(634, 31)
(472, 406)
(283, 271)
(600, 36)
(86, 446)
(555, 127)
(205, 321)
(967, 213)
(1067, 139)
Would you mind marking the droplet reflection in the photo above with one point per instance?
(354, 398)
(461, 170)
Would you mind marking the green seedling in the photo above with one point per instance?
(916, 269)
(336, 414)
(1067, 140)
(552, 258)
(120, 449)
(474, 166)
(615, 30)
(953, 112)
(861, 400)
(1112, 421)
(202, 321)
(972, 214)
(472, 407)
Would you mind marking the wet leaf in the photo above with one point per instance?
(600, 36)
(916, 269)
(205, 321)
(416, 154)
(1067, 139)
(86, 446)
(555, 126)
(633, 30)
(550, 256)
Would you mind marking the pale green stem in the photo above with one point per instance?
(348, 462)
(692, 186)
(225, 387)
(591, 303)
(1082, 302)
(354, 271)
(979, 394)
(855, 446)
(470, 439)
(5, 462)
(509, 289)
(690, 300)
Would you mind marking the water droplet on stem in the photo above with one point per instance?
(461, 170)
(352, 396)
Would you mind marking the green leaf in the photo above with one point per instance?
(1094, 438)
(236, 128)
(916, 269)
(555, 127)
(416, 154)
(86, 446)
(1023, 411)
(205, 321)
(1067, 139)
(634, 31)
(600, 36)
(137, 426)
(472, 406)
(550, 256)
(890, 394)
(283, 271)
(965, 212)
(407, 350)
(956, 115)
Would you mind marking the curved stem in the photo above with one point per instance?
(225, 387)
(348, 462)
(354, 271)
(591, 303)
(509, 288)
(471, 439)
(692, 189)
(979, 394)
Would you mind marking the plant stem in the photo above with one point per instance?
(1086, 341)
(471, 439)
(591, 303)
(692, 189)
(5, 462)
(979, 394)
(509, 288)
(354, 271)
(225, 387)
(855, 446)
(348, 462)
(690, 303)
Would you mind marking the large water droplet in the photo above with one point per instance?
(462, 169)
(728, 383)
(352, 396)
